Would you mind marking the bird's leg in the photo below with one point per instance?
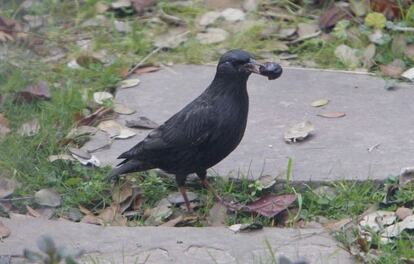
(180, 180)
(184, 194)
(202, 176)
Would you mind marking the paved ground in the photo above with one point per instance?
(161, 245)
(338, 149)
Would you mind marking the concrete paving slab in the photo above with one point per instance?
(184, 245)
(337, 150)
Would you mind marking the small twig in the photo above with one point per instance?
(139, 64)
(16, 199)
(370, 149)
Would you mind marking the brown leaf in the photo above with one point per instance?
(338, 225)
(173, 222)
(333, 15)
(390, 8)
(112, 216)
(146, 69)
(91, 219)
(32, 93)
(4, 231)
(332, 115)
(140, 5)
(121, 192)
(391, 70)
(271, 205)
(85, 210)
(10, 29)
(32, 212)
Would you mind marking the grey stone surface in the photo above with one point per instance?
(174, 245)
(338, 148)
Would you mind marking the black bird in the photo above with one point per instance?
(206, 130)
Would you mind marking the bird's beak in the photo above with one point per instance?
(253, 66)
(269, 69)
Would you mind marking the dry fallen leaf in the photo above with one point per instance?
(408, 74)
(376, 221)
(128, 83)
(141, 122)
(320, 102)
(53, 158)
(80, 153)
(29, 129)
(121, 192)
(347, 55)
(140, 5)
(147, 69)
(298, 132)
(392, 70)
(4, 231)
(100, 97)
(32, 93)
(112, 216)
(100, 140)
(115, 129)
(160, 213)
(123, 110)
(209, 18)
(333, 15)
(212, 36)
(81, 131)
(338, 225)
(10, 29)
(121, 4)
(306, 29)
(91, 219)
(396, 229)
(403, 212)
(270, 205)
(233, 14)
(48, 197)
(217, 215)
(32, 212)
(93, 119)
(332, 114)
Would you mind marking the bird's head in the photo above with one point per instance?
(239, 63)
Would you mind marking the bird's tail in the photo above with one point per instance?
(127, 167)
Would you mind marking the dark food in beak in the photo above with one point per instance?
(271, 70)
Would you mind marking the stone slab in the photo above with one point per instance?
(337, 150)
(185, 245)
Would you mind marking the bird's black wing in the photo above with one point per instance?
(189, 128)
